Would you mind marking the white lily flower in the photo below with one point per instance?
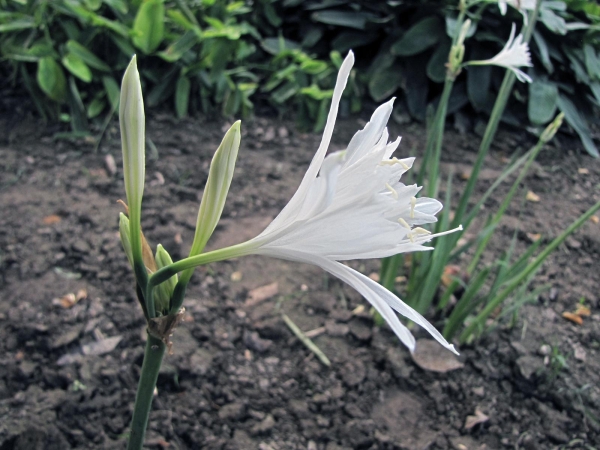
(515, 54)
(520, 5)
(349, 205)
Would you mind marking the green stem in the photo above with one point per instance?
(235, 251)
(155, 350)
(438, 138)
(492, 126)
(497, 301)
(498, 216)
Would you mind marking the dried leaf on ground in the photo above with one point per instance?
(532, 196)
(69, 300)
(573, 318)
(451, 271)
(51, 219)
(583, 311)
(262, 293)
(430, 355)
(476, 419)
(101, 347)
(111, 166)
(236, 276)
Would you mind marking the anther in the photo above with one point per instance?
(421, 231)
(394, 161)
(392, 190)
(413, 203)
(404, 223)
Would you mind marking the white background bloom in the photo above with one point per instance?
(521, 5)
(515, 54)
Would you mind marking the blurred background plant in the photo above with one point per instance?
(223, 56)
(467, 298)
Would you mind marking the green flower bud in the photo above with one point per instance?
(217, 187)
(132, 121)
(163, 292)
(552, 128)
(125, 239)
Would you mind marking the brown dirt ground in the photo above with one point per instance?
(237, 378)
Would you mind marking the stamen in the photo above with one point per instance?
(404, 223)
(413, 202)
(416, 232)
(392, 190)
(393, 161)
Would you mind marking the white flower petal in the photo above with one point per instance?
(515, 54)
(293, 207)
(369, 136)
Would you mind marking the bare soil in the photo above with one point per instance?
(237, 378)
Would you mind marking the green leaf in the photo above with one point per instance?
(51, 79)
(182, 96)
(313, 66)
(417, 86)
(163, 90)
(18, 24)
(348, 40)
(274, 46)
(384, 83)
(176, 50)
(543, 50)
(316, 93)
(113, 92)
(118, 5)
(436, 67)
(592, 62)
(78, 115)
(478, 86)
(451, 28)
(77, 67)
(578, 123)
(576, 58)
(552, 21)
(148, 26)
(356, 20)
(419, 37)
(95, 107)
(595, 87)
(123, 45)
(271, 15)
(88, 57)
(93, 4)
(542, 101)
(284, 93)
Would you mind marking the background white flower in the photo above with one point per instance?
(520, 5)
(515, 54)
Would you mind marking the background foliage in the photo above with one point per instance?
(222, 57)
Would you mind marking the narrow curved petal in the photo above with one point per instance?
(383, 300)
(294, 206)
(374, 293)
